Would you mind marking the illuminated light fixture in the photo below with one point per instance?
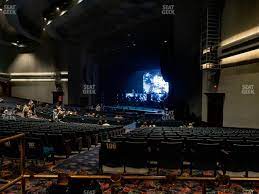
(38, 73)
(37, 80)
(208, 65)
(44, 29)
(250, 55)
(165, 41)
(32, 80)
(79, 1)
(207, 50)
(33, 73)
(45, 19)
(14, 43)
(63, 12)
(240, 36)
(21, 45)
(64, 80)
(49, 22)
(57, 9)
(64, 72)
(1, 9)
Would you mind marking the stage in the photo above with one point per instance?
(136, 109)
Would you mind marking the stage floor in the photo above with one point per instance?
(137, 109)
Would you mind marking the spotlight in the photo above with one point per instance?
(45, 19)
(165, 41)
(49, 22)
(21, 46)
(63, 12)
(44, 29)
(1, 9)
(57, 9)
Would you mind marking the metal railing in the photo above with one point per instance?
(22, 162)
(23, 176)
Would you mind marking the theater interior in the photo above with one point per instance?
(129, 96)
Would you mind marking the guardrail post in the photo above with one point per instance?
(203, 187)
(22, 165)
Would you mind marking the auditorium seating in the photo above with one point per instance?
(226, 149)
(45, 139)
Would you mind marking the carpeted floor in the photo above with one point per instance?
(87, 163)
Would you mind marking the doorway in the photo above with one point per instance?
(215, 109)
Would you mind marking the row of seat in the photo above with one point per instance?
(215, 148)
(44, 139)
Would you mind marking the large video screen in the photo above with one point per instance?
(154, 84)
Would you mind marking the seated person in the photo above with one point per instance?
(100, 122)
(106, 123)
(25, 110)
(55, 115)
(98, 108)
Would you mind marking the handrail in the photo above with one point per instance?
(11, 183)
(136, 177)
(22, 162)
(12, 138)
(23, 176)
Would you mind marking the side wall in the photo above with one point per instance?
(240, 110)
(42, 60)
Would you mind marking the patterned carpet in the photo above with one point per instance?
(87, 163)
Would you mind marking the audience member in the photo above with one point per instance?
(106, 123)
(25, 110)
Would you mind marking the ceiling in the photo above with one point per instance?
(94, 23)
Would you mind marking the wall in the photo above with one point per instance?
(239, 16)
(41, 91)
(240, 110)
(44, 59)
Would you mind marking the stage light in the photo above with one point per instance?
(21, 45)
(57, 9)
(250, 55)
(207, 65)
(79, 1)
(207, 50)
(45, 19)
(63, 12)
(240, 36)
(49, 22)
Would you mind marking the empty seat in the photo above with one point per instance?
(171, 155)
(111, 156)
